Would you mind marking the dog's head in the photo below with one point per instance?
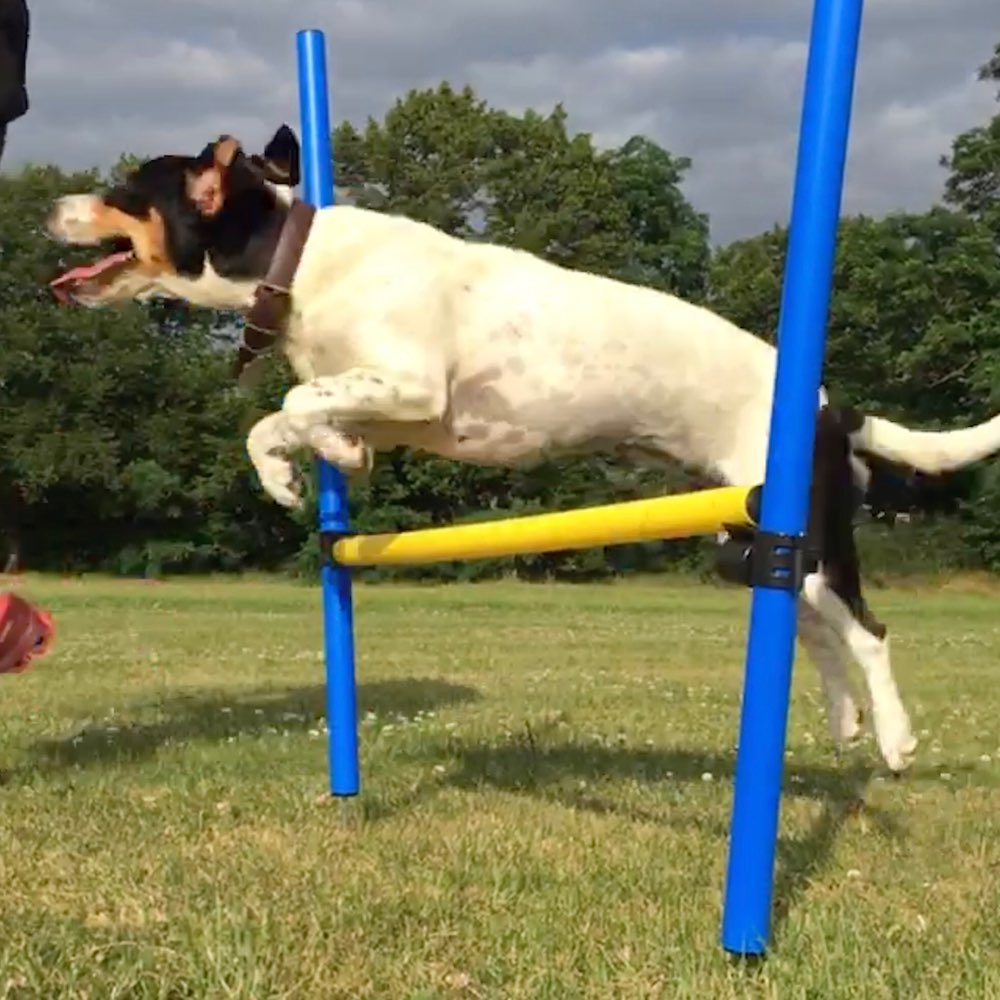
(199, 228)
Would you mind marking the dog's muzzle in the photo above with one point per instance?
(73, 220)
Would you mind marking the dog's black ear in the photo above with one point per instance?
(281, 158)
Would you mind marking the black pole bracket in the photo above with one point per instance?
(754, 558)
(327, 540)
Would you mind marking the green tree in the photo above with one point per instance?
(744, 282)
(553, 194)
(667, 239)
(911, 326)
(424, 161)
(973, 183)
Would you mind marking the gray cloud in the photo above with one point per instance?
(706, 80)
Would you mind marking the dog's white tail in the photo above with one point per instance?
(931, 452)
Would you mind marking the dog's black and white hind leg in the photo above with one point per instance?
(834, 622)
(890, 720)
(833, 594)
(830, 656)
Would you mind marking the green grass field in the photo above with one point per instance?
(547, 781)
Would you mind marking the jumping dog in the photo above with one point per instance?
(400, 334)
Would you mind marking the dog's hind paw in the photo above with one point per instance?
(845, 721)
(897, 744)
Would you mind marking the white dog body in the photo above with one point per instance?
(403, 335)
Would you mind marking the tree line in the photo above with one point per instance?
(121, 432)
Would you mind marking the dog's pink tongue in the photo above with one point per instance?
(61, 285)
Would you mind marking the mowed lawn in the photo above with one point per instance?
(547, 782)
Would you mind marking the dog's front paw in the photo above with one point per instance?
(281, 481)
(269, 446)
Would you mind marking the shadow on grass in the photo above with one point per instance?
(215, 716)
(562, 773)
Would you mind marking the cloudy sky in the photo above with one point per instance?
(708, 79)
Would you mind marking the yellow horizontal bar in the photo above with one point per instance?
(683, 515)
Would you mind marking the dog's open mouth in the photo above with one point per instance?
(86, 276)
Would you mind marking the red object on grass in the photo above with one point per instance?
(25, 632)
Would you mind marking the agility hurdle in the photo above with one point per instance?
(774, 560)
(660, 518)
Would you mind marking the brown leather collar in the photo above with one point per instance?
(272, 303)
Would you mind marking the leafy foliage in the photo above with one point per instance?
(973, 184)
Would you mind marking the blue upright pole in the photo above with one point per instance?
(826, 113)
(338, 625)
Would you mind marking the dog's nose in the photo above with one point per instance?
(54, 222)
(72, 219)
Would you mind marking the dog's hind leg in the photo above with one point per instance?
(829, 655)
(869, 645)
(833, 591)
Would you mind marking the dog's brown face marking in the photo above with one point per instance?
(139, 258)
(148, 236)
(205, 187)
